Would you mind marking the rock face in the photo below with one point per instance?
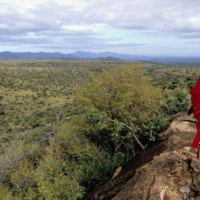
(168, 176)
(167, 170)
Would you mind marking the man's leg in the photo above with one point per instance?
(190, 111)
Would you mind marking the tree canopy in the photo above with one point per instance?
(124, 97)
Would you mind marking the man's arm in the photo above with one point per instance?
(190, 111)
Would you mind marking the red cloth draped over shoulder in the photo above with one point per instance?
(195, 97)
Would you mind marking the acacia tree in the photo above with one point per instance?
(123, 97)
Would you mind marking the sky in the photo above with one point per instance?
(135, 27)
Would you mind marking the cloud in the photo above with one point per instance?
(177, 16)
(82, 22)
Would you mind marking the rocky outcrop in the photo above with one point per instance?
(171, 175)
(167, 170)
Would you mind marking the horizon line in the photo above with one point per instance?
(180, 56)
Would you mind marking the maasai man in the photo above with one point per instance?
(195, 97)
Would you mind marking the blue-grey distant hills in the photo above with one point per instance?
(77, 54)
(100, 56)
(8, 54)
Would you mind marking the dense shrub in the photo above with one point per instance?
(93, 173)
(2, 112)
(177, 100)
(35, 124)
(54, 180)
(116, 103)
(5, 193)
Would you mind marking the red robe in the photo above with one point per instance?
(195, 97)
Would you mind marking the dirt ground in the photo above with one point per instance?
(167, 170)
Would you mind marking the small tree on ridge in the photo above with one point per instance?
(124, 97)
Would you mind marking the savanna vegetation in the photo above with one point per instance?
(66, 125)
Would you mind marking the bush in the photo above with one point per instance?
(2, 112)
(177, 100)
(56, 179)
(157, 124)
(115, 103)
(5, 194)
(35, 124)
(22, 179)
(91, 174)
(40, 114)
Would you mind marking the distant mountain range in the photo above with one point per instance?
(77, 54)
(99, 56)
